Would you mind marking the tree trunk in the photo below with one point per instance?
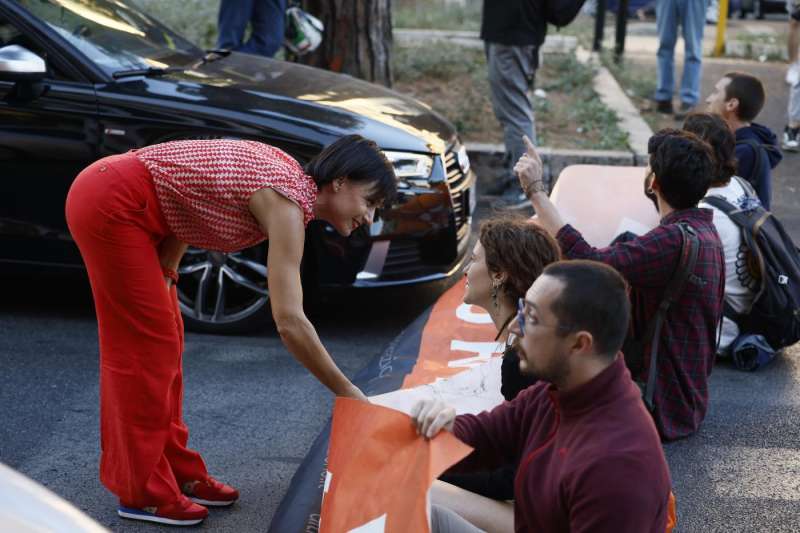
(357, 39)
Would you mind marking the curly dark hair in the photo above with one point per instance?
(683, 165)
(519, 248)
(715, 131)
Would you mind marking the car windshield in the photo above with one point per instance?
(114, 34)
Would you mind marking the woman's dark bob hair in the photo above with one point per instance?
(359, 160)
(716, 132)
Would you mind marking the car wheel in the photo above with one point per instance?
(223, 292)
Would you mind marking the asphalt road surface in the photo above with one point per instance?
(254, 412)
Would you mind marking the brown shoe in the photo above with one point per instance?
(664, 106)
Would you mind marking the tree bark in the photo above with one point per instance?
(357, 39)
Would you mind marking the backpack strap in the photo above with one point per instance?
(748, 189)
(690, 248)
(720, 203)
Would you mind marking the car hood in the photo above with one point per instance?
(301, 94)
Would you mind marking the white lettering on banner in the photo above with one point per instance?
(374, 526)
(465, 313)
(485, 351)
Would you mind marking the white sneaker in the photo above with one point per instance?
(793, 74)
(712, 12)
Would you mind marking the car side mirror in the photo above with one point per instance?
(17, 63)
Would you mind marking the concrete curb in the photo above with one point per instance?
(553, 44)
(614, 98)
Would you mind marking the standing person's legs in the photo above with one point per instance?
(511, 73)
(667, 25)
(113, 215)
(232, 20)
(268, 28)
(693, 21)
(791, 134)
(186, 464)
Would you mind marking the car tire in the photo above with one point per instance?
(223, 292)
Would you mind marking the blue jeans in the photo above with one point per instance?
(691, 16)
(266, 17)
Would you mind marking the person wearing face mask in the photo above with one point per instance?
(510, 254)
(588, 455)
(133, 216)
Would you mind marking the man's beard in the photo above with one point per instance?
(555, 371)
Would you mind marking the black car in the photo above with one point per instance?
(83, 79)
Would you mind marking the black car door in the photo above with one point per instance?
(46, 138)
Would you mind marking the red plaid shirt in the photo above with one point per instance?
(689, 335)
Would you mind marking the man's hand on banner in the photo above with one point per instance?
(431, 416)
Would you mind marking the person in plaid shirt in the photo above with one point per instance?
(681, 166)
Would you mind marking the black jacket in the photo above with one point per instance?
(512, 22)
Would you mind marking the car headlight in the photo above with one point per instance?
(412, 170)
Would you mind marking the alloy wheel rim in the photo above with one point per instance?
(220, 288)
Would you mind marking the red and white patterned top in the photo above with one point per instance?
(204, 187)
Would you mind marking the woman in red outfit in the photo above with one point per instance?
(133, 216)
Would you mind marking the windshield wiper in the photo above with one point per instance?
(149, 71)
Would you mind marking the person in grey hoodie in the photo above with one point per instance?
(738, 99)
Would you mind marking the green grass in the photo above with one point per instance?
(442, 62)
(437, 14)
(596, 126)
(194, 19)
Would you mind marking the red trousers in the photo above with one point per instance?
(114, 216)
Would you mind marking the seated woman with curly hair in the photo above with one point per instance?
(510, 254)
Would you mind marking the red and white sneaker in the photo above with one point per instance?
(180, 513)
(210, 492)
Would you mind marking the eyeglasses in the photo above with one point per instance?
(521, 320)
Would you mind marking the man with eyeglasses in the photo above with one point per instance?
(589, 457)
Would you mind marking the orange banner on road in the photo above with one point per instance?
(380, 470)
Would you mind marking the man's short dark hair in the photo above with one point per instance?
(683, 166)
(359, 160)
(594, 299)
(749, 91)
(716, 132)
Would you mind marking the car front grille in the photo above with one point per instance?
(457, 181)
(404, 260)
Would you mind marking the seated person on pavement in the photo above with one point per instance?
(588, 453)
(682, 166)
(510, 254)
(739, 283)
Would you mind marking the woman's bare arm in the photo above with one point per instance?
(170, 253)
(282, 221)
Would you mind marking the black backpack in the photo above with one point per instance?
(775, 261)
(559, 13)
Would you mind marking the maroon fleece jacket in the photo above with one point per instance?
(590, 459)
